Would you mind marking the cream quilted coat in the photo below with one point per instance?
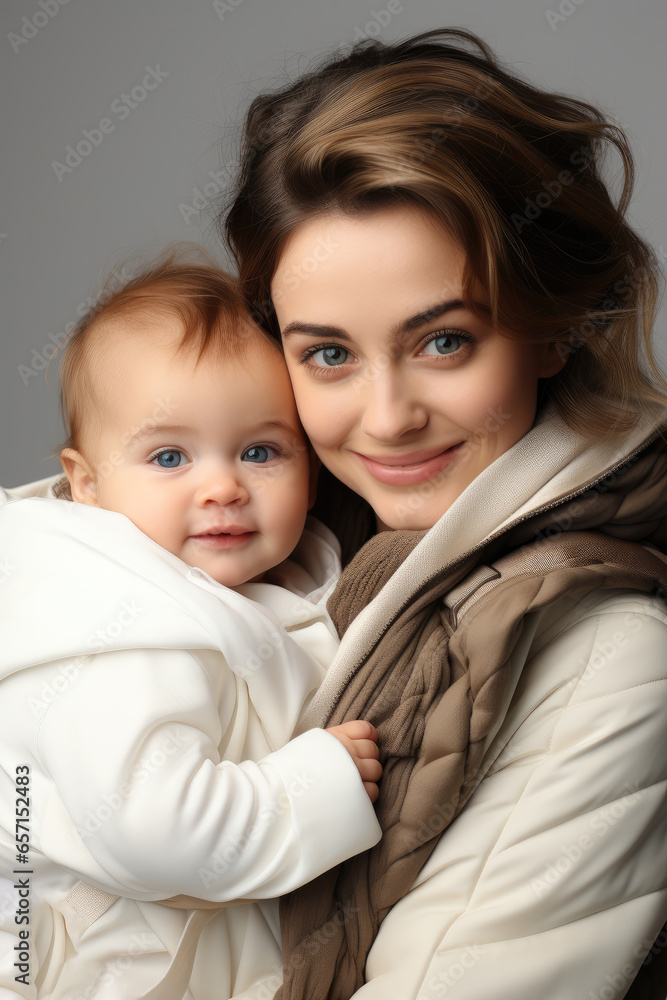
(551, 884)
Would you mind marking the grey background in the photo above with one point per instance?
(136, 189)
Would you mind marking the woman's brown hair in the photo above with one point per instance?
(514, 173)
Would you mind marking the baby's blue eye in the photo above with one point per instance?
(171, 458)
(259, 453)
(333, 356)
(445, 343)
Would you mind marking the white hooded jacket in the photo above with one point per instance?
(151, 710)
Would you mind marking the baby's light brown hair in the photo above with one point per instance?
(197, 292)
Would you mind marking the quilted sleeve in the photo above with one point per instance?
(552, 881)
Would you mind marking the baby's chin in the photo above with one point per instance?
(228, 576)
(229, 560)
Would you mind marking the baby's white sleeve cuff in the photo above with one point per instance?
(332, 815)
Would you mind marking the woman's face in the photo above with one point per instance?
(405, 395)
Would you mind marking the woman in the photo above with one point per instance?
(462, 310)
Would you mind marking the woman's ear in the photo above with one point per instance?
(551, 358)
(81, 479)
(315, 466)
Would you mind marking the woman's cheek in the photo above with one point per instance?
(321, 412)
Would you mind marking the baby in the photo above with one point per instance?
(147, 707)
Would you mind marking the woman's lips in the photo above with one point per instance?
(412, 472)
(222, 541)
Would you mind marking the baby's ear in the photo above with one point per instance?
(81, 479)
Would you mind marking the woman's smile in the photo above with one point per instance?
(409, 469)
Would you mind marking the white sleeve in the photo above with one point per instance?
(131, 745)
(552, 881)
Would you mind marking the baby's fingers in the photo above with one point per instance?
(358, 729)
(369, 770)
(365, 748)
(371, 790)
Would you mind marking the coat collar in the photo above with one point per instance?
(548, 465)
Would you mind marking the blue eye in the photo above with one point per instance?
(170, 458)
(334, 355)
(259, 453)
(446, 343)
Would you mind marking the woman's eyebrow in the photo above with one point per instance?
(315, 329)
(428, 314)
(425, 316)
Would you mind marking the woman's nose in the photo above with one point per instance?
(392, 406)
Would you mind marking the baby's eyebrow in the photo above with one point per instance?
(268, 424)
(151, 428)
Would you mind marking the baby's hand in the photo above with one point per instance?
(360, 740)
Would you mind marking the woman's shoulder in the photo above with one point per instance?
(624, 621)
(560, 849)
(588, 679)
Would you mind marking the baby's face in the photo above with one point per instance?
(208, 459)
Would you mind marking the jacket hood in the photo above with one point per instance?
(79, 580)
(551, 480)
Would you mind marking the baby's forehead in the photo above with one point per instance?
(126, 359)
(120, 341)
